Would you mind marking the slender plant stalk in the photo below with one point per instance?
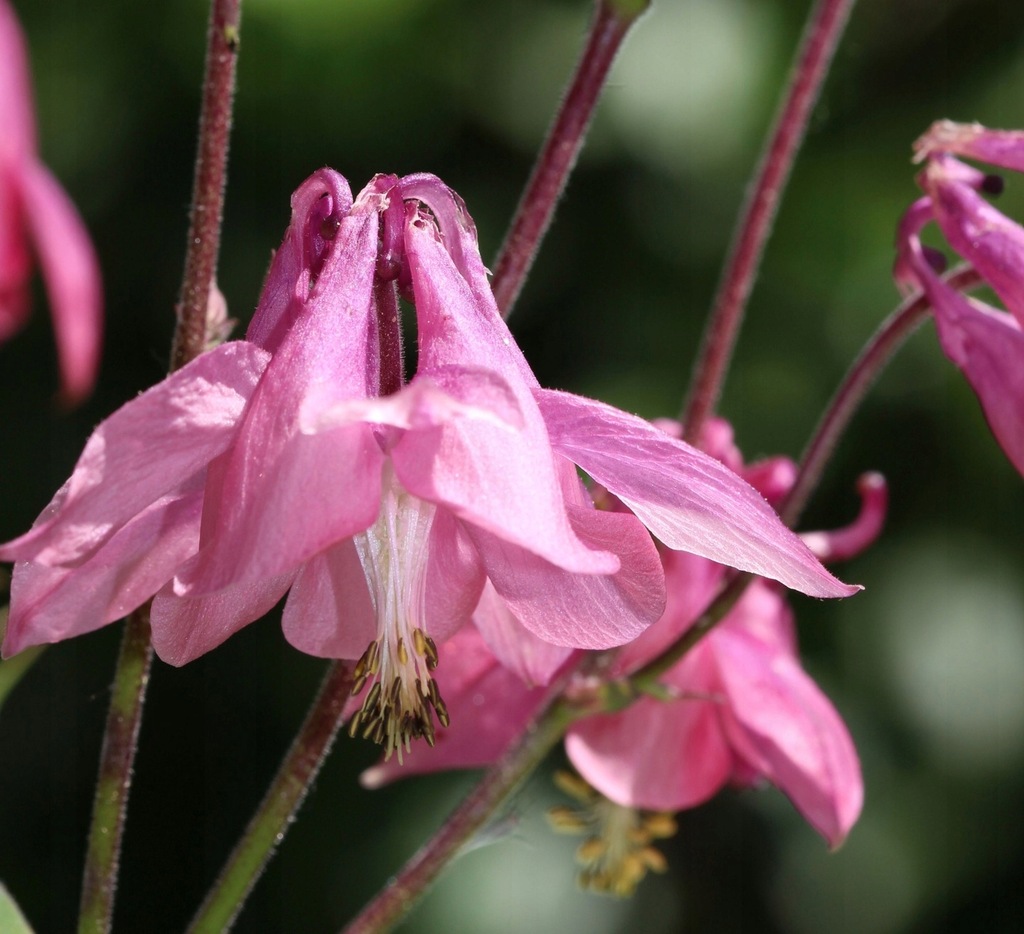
(396, 899)
(859, 378)
(821, 36)
(865, 370)
(611, 23)
(303, 761)
(501, 781)
(115, 776)
(277, 810)
(131, 674)
(12, 670)
(208, 185)
(645, 679)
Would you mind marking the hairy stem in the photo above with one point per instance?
(824, 27)
(851, 392)
(402, 891)
(645, 679)
(869, 364)
(608, 29)
(115, 775)
(131, 675)
(208, 187)
(277, 810)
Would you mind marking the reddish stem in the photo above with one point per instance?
(277, 810)
(517, 763)
(131, 675)
(558, 155)
(824, 27)
(208, 188)
(858, 380)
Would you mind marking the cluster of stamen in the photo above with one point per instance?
(403, 698)
(617, 852)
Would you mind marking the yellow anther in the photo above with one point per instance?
(591, 849)
(617, 853)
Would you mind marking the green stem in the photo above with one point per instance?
(277, 810)
(115, 775)
(131, 675)
(402, 892)
(12, 670)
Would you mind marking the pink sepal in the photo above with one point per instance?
(147, 448)
(689, 500)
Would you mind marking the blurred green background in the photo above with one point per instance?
(927, 666)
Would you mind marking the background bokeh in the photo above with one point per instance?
(927, 666)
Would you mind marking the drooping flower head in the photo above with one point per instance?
(987, 344)
(736, 709)
(37, 216)
(302, 460)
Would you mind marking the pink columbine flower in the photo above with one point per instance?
(985, 343)
(301, 460)
(744, 709)
(35, 209)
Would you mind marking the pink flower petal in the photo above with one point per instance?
(329, 612)
(186, 627)
(987, 346)
(18, 140)
(578, 610)
(148, 447)
(999, 147)
(51, 604)
(689, 500)
(505, 482)
(690, 584)
(447, 394)
(15, 261)
(795, 729)
(460, 240)
(773, 477)
(764, 612)
(454, 577)
(72, 275)
(30, 197)
(981, 234)
(492, 480)
(266, 527)
(17, 147)
(274, 472)
(516, 648)
(655, 754)
(286, 288)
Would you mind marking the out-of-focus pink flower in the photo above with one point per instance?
(383, 507)
(985, 343)
(744, 708)
(37, 215)
(746, 711)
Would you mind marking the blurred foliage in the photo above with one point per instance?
(926, 666)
